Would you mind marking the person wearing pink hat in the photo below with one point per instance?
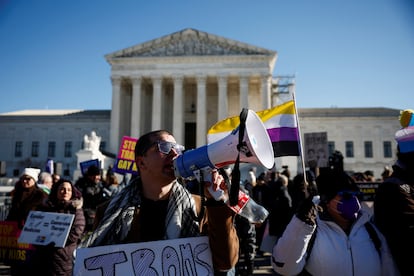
(394, 199)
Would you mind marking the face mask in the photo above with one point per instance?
(348, 207)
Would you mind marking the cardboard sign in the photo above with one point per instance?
(86, 164)
(188, 256)
(368, 189)
(43, 228)
(10, 249)
(316, 150)
(125, 163)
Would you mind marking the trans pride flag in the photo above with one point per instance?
(281, 125)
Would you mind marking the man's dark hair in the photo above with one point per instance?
(147, 140)
(336, 161)
(93, 170)
(332, 181)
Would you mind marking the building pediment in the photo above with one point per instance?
(190, 42)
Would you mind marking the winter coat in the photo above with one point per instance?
(93, 195)
(50, 260)
(394, 215)
(333, 252)
(24, 201)
(122, 220)
(281, 211)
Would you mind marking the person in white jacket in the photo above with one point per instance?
(341, 242)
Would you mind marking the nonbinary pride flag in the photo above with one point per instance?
(280, 123)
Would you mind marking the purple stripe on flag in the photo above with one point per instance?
(283, 134)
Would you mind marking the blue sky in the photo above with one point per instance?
(349, 53)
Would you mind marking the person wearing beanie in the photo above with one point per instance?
(26, 197)
(394, 198)
(92, 189)
(335, 236)
(32, 172)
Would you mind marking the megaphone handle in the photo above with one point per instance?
(235, 180)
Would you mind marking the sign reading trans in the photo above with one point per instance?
(187, 256)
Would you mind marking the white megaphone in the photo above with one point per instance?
(257, 148)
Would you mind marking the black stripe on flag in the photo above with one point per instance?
(286, 148)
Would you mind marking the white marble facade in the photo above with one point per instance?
(186, 77)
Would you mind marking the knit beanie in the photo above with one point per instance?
(330, 182)
(32, 172)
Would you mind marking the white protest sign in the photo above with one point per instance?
(187, 256)
(43, 228)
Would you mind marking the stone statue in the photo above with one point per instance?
(91, 142)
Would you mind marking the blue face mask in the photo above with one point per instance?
(348, 206)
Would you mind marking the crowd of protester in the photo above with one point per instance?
(311, 203)
(315, 226)
(38, 190)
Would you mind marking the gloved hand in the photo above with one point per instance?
(307, 211)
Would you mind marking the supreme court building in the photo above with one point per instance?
(186, 82)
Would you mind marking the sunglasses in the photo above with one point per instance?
(26, 178)
(166, 147)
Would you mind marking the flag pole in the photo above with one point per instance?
(300, 143)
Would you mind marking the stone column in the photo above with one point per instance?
(136, 108)
(115, 115)
(244, 92)
(178, 110)
(266, 91)
(201, 132)
(223, 109)
(156, 103)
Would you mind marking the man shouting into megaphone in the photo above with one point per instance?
(155, 206)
